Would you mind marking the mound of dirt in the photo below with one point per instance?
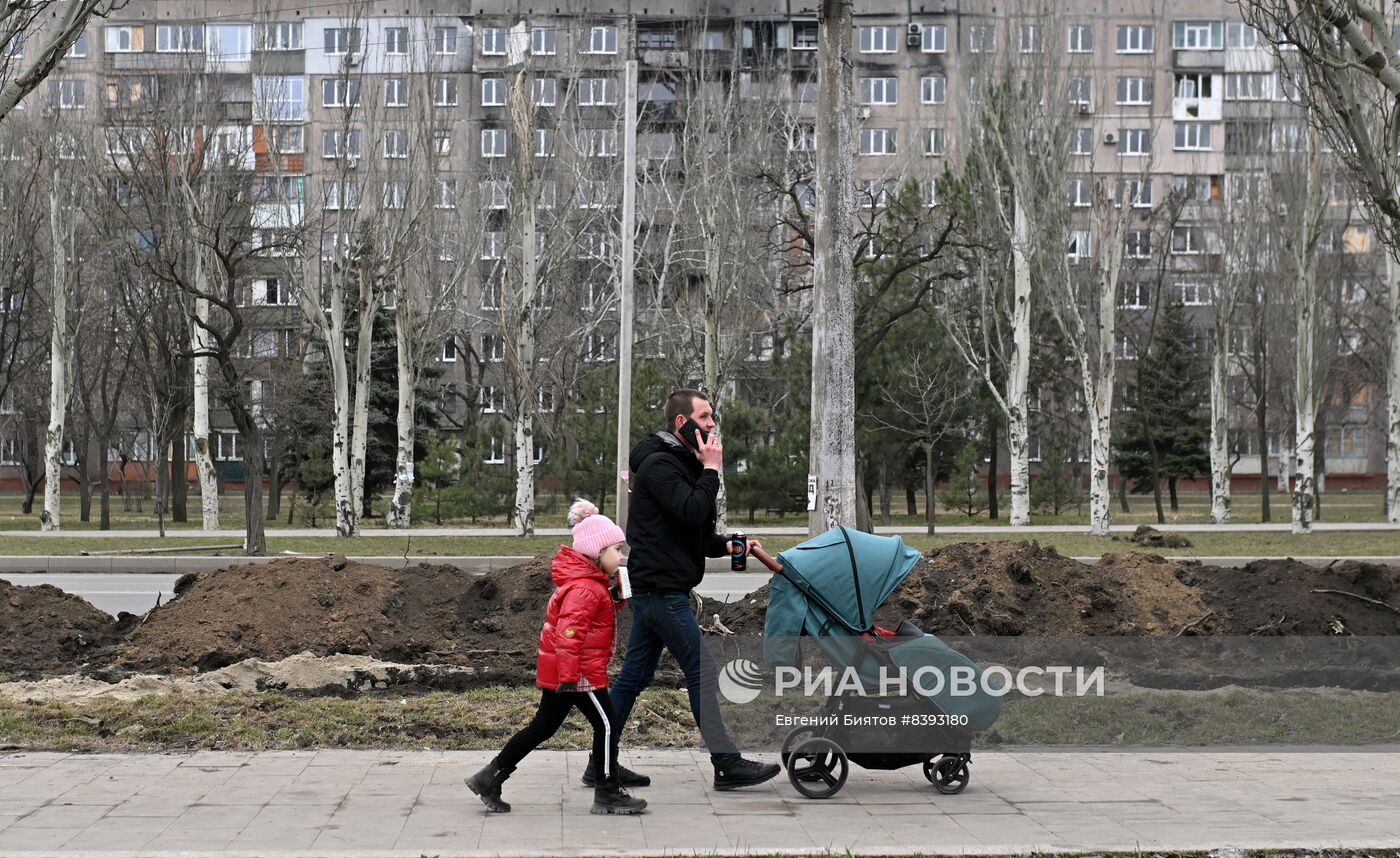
(327, 605)
(1021, 588)
(1150, 537)
(1278, 597)
(45, 630)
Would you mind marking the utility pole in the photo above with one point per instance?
(627, 299)
(832, 481)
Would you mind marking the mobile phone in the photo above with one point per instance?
(691, 431)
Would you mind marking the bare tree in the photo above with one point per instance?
(1341, 62)
(34, 36)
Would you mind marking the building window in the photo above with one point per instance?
(1080, 245)
(1185, 240)
(877, 40)
(1123, 348)
(180, 38)
(877, 141)
(1197, 35)
(339, 196)
(231, 43)
(1139, 243)
(934, 39)
(79, 48)
(804, 36)
(1080, 192)
(227, 447)
(396, 143)
(879, 90)
(449, 350)
(338, 143)
(602, 40)
(72, 94)
(1135, 141)
(1082, 141)
(601, 348)
(1194, 294)
(597, 142)
(933, 89)
(445, 92)
(981, 38)
(544, 91)
(124, 40)
(282, 36)
(493, 92)
(396, 41)
(445, 41)
(1030, 39)
(1133, 296)
(544, 143)
(492, 400)
(712, 40)
(495, 193)
(1192, 136)
(395, 92)
(493, 348)
(1080, 38)
(339, 92)
(935, 142)
(1135, 39)
(1081, 90)
(1347, 442)
(1249, 86)
(340, 41)
(1139, 193)
(279, 98)
(803, 138)
(1193, 85)
(442, 141)
(493, 142)
(493, 41)
(495, 454)
(1136, 91)
(1240, 35)
(597, 91)
(543, 41)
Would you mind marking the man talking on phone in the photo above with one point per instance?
(670, 531)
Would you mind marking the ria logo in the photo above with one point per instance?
(741, 681)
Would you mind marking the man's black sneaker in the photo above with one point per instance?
(743, 773)
(625, 776)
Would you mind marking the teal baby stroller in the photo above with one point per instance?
(827, 589)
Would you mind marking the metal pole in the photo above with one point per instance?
(627, 300)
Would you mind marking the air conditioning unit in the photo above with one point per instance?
(913, 40)
(1085, 109)
(865, 113)
(1110, 138)
(916, 29)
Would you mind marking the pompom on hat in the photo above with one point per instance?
(592, 531)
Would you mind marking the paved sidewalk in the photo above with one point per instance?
(353, 803)
(798, 530)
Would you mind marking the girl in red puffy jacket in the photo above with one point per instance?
(575, 647)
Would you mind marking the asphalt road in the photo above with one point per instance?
(137, 593)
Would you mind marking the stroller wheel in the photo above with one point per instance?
(793, 739)
(948, 774)
(818, 768)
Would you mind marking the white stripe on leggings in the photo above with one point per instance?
(607, 735)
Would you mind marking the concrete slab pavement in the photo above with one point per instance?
(412, 803)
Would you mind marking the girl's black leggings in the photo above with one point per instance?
(549, 717)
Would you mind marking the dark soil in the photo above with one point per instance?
(1150, 537)
(1276, 597)
(439, 614)
(44, 630)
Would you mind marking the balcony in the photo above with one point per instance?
(1194, 60)
(148, 61)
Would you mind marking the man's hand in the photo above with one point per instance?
(711, 453)
(754, 543)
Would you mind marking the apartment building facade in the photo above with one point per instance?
(1178, 98)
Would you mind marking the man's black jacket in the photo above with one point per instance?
(671, 516)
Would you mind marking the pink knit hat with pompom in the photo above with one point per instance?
(592, 532)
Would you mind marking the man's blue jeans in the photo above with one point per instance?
(666, 621)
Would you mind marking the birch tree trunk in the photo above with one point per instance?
(60, 358)
(203, 454)
(347, 514)
(1305, 309)
(1392, 386)
(1018, 373)
(359, 438)
(1220, 426)
(401, 506)
(833, 430)
(525, 316)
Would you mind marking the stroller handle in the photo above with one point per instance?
(767, 560)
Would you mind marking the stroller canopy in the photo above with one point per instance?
(849, 573)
